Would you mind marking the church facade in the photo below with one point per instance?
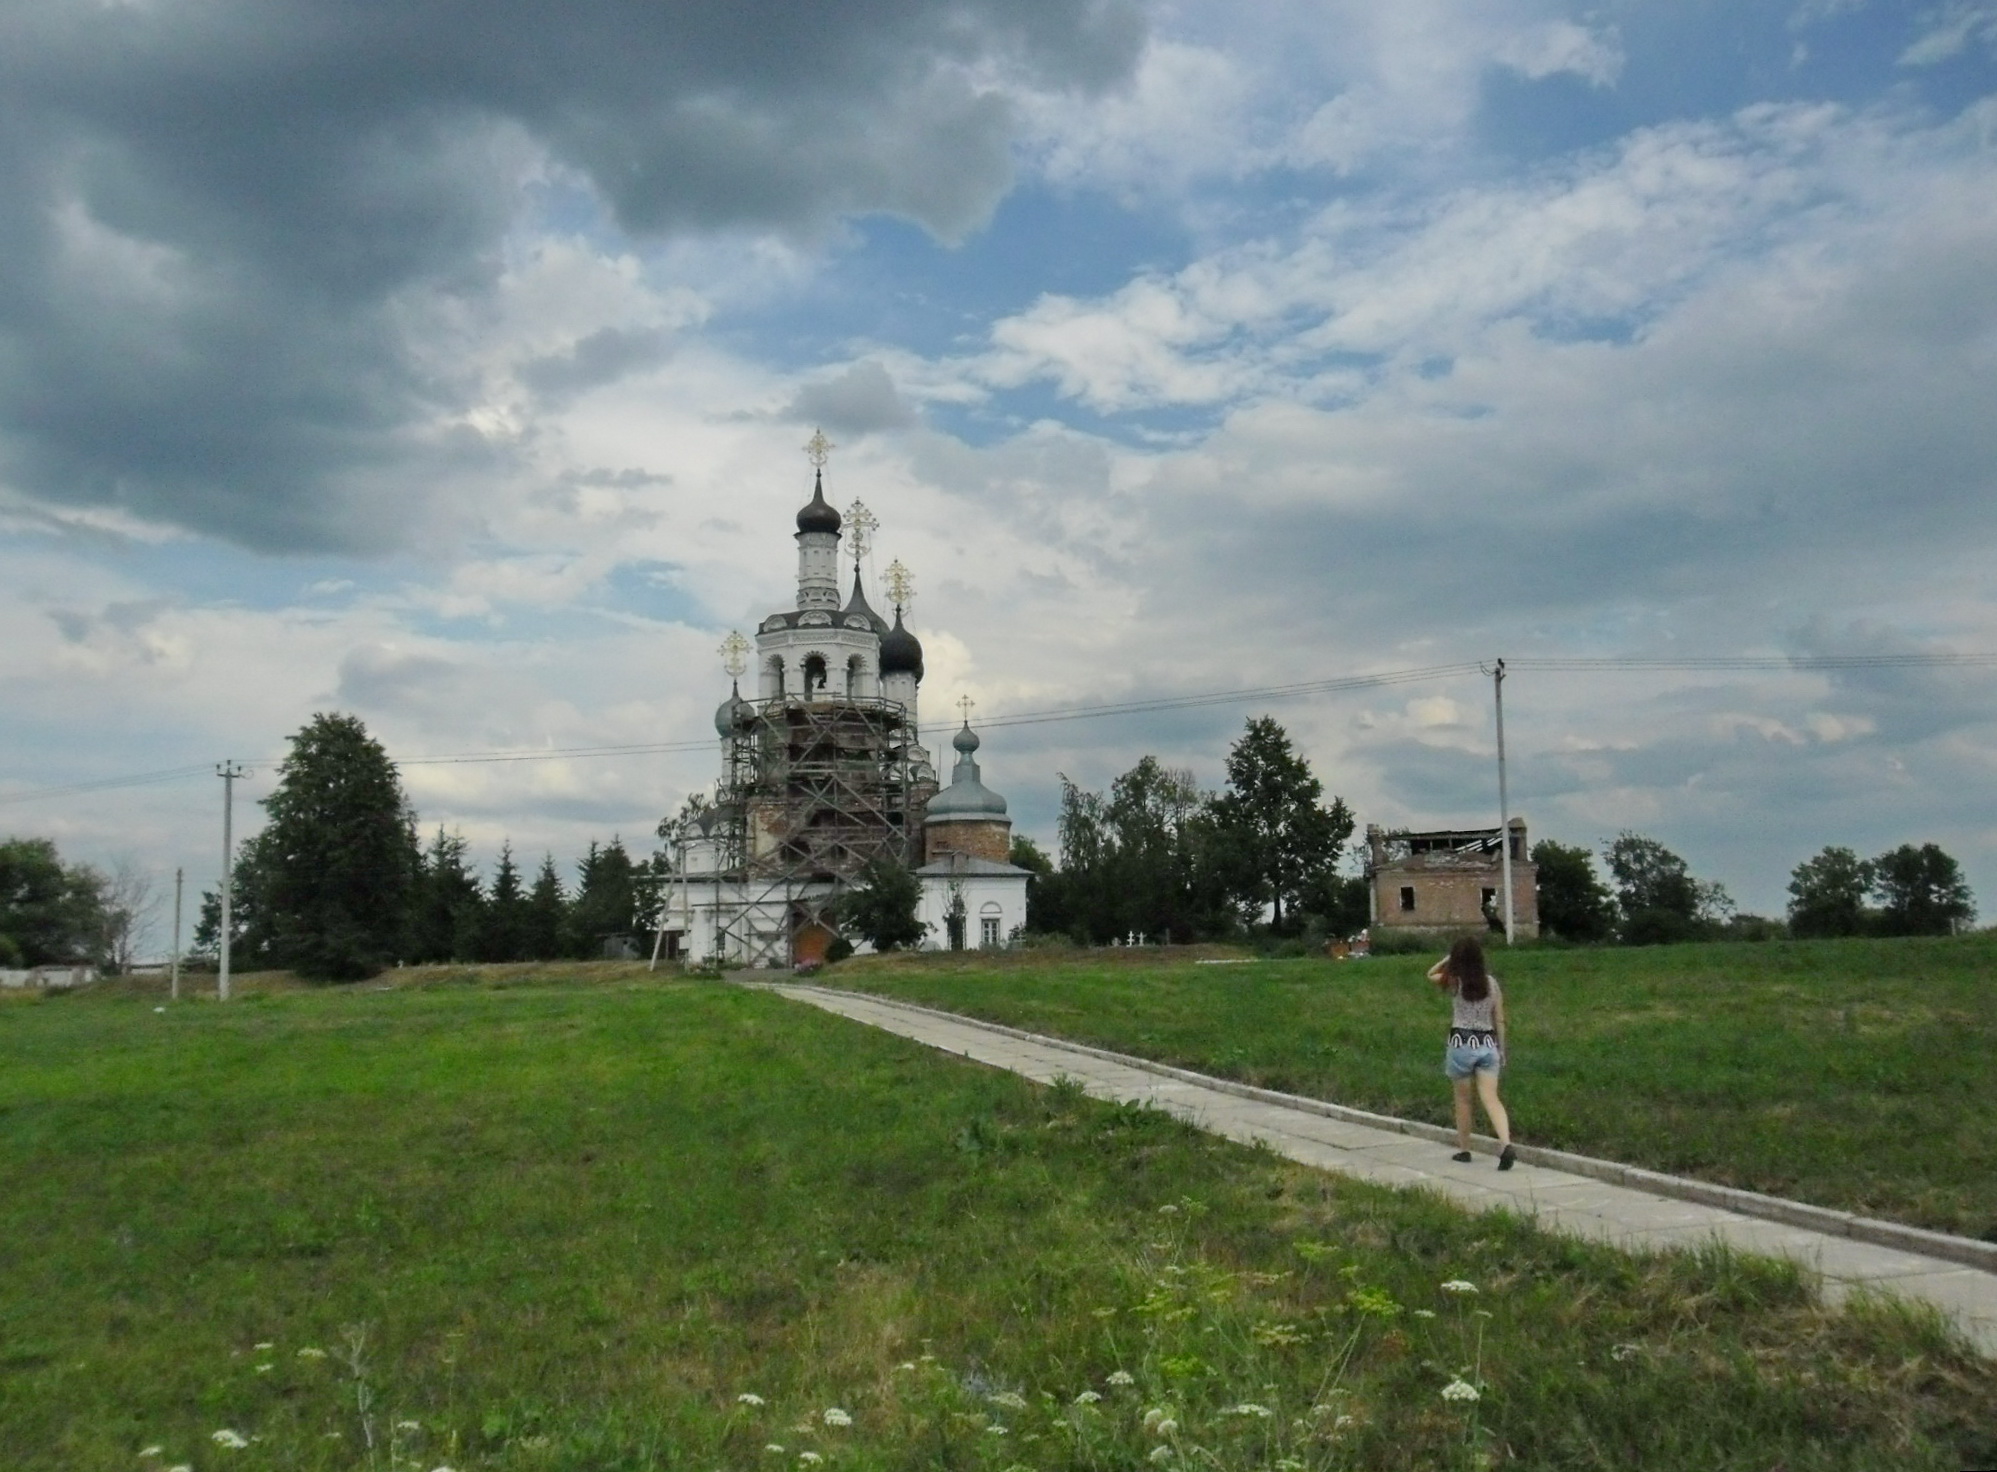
(824, 771)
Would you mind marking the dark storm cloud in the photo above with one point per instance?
(858, 401)
(220, 217)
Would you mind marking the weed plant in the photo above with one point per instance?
(1850, 1073)
(640, 1225)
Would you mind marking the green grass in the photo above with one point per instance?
(535, 1226)
(1853, 1074)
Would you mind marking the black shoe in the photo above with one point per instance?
(1462, 1156)
(1506, 1157)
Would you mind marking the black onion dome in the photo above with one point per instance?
(901, 651)
(858, 604)
(818, 515)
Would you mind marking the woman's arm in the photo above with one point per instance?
(1498, 1016)
(1439, 973)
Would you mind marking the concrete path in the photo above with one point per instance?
(1395, 1153)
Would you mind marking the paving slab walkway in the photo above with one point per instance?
(1402, 1153)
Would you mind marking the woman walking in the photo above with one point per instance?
(1476, 1042)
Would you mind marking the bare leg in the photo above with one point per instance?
(1462, 1114)
(1494, 1110)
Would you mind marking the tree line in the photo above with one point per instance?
(55, 913)
(340, 884)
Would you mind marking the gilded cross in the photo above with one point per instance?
(735, 654)
(901, 585)
(966, 705)
(818, 449)
(860, 524)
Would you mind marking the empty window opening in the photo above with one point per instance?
(1407, 896)
(814, 674)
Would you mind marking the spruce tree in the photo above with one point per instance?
(336, 863)
(547, 914)
(506, 913)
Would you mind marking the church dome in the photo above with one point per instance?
(818, 514)
(729, 715)
(857, 605)
(901, 652)
(966, 799)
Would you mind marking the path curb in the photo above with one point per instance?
(1965, 1250)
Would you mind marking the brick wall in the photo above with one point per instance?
(981, 839)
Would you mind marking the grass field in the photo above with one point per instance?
(1854, 1074)
(621, 1224)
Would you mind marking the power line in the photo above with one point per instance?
(1546, 664)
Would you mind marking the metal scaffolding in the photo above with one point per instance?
(812, 790)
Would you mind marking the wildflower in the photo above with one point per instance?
(264, 1344)
(152, 1451)
(265, 1368)
(1160, 1455)
(408, 1426)
(1289, 1464)
(1618, 1353)
(1168, 1210)
(180, 1467)
(836, 1417)
(1424, 1313)
(1458, 1285)
(809, 1458)
(995, 1429)
(1460, 1389)
(1087, 1398)
(749, 1398)
(159, 1009)
(233, 1440)
(774, 1446)
(310, 1353)
(1011, 1400)
(443, 1469)
(906, 1365)
(1341, 1423)
(1121, 1377)
(1249, 1408)
(1159, 1422)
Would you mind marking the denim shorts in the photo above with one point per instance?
(1461, 1062)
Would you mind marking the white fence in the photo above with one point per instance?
(44, 977)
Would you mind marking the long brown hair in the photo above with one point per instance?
(1466, 969)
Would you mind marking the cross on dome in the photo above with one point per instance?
(901, 585)
(966, 705)
(818, 449)
(735, 654)
(860, 527)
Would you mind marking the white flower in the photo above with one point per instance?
(443, 1469)
(1341, 1423)
(1458, 1285)
(309, 1353)
(1161, 1455)
(1121, 1377)
(749, 1398)
(264, 1344)
(1159, 1422)
(152, 1451)
(836, 1417)
(1424, 1313)
(775, 1446)
(1460, 1389)
(1087, 1398)
(159, 1009)
(1167, 1209)
(1621, 1352)
(995, 1429)
(408, 1426)
(809, 1458)
(1249, 1408)
(1011, 1400)
(906, 1365)
(180, 1467)
(233, 1440)
(265, 1368)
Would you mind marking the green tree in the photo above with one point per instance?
(547, 914)
(338, 854)
(507, 918)
(1920, 891)
(250, 935)
(882, 906)
(448, 910)
(1574, 904)
(1028, 855)
(1827, 894)
(606, 902)
(1272, 820)
(1659, 898)
(49, 911)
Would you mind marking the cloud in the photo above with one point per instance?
(242, 236)
(1951, 29)
(1545, 51)
(860, 400)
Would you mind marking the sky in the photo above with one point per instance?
(450, 365)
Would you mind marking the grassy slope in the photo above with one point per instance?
(570, 1225)
(1854, 1074)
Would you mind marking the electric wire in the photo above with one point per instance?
(1547, 664)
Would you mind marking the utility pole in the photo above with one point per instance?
(179, 877)
(1504, 802)
(228, 772)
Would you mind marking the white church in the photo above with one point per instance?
(823, 771)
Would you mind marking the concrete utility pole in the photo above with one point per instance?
(228, 772)
(1504, 803)
(179, 878)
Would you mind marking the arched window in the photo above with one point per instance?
(814, 674)
(776, 675)
(855, 671)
